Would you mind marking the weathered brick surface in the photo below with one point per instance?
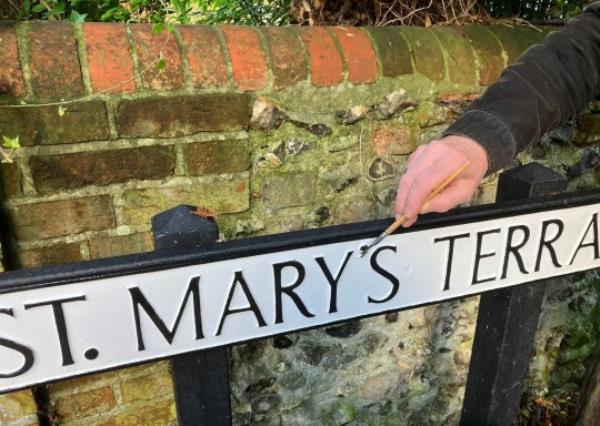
(393, 139)
(61, 253)
(69, 171)
(426, 52)
(248, 59)
(326, 68)
(10, 180)
(183, 115)
(217, 157)
(358, 53)
(17, 406)
(54, 61)
(11, 76)
(159, 413)
(149, 48)
(533, 35)
(512, 41)
(109, 57)
(488, 52)
(461, 61)
(81, 122)
(204, 54)
(288, 60)
(95, 401)
(394, 53)
(115, 246)
(146, 388)
(38, 221)
(288, 190)
(221, 194)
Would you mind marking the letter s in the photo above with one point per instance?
(26, 352)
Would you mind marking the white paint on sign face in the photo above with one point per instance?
(67, 330)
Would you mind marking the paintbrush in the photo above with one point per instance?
(398, 222)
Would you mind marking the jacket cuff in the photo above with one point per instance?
(488, 131)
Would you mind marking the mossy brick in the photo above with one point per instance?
(101, 247)
(109, 59)
(158, 413)
(16, 407)
(222, 194)
(54, 61)
(149, 47)
(533, 35)
(10, 180)
(11, 75)
(217, 157)
(71, 171)
(53, 255)
(146, 388)
(511, 40)
(288, 61)
(38, 221)
(426, 52)
(459, 54)
(205, 56)
(358, 53)
(394, 53)
(488, 51)
(83, 404)
(393, 139)
(183, 115)
(289, 190)
(42, 125)
(326, 66)
(248, 59)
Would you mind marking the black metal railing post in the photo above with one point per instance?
(200, 379)
(507, 322)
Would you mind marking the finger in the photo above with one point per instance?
(407, 178)
(425, 183)
(456, 193)
(415, 156)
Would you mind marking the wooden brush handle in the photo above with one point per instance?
(398, 222)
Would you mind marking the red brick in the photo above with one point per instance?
(488, 51)
(10, 180)
(121, 244)
(11, 76)
(109, 57)
(426, 52)
(248, 59)
(38, 221)
(53, 255)
(148, 48)
(393, 139)
(217, 157)
(54, 61)
(204, 54)
(325, 61)
(287, 56)
(71, 171)
(359, 54)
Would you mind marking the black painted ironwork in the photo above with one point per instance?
(507, 321)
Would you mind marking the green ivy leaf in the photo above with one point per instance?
(77, 17)
(11, 143)
(160, 65)
(38, 8)
(157, 28)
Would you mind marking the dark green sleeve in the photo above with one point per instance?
(548, 84)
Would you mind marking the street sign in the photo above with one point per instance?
(66, 321)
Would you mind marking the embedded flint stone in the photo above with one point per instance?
(589, 160)
(266, 114)
(181, 226)
(380, 169)
(295, 146)
(317, 129)
(353, 115)
(393, 103)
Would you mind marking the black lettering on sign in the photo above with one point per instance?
(547, 243)
(514, 249)
(139, 300)
(280, 289)
(450, 240)
(333, 281)
(594, 243)
(253, 307)
(26, 352)
(479, 255)
(61, 325)
(386, 274)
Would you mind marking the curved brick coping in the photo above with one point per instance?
(52, 61)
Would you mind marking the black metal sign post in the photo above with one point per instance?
(200, 379)
(507, 322)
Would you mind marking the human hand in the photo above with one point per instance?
(429, 165)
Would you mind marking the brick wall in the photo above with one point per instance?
(275, 129)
